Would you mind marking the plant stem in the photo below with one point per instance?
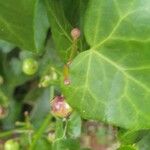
(44, 125)
(6, 133)
(64, 133)
(73, 50)
(11, 132)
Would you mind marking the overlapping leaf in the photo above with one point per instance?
(24, 23)
(111, 81)
(60, 27)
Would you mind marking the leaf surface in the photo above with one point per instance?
(60, 27)
(111, 81)
(25, 25)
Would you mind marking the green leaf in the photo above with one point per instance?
(41, 106)
(74, 125)
(44, 144)
(5, 46)
(127, 147)
(59, 133)
(60, 27)
(3, 99)
(131, 137)
(24, 23)
(66, 144)
(76, 15)
(13, 114)
(76, 18)
(110, 82)
(144, 144)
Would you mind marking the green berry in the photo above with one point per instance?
(30, 66)
(11, 145)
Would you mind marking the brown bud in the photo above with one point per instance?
(75, 33)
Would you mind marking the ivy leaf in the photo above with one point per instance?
(66, 144)
(76, 18)
(144, 143)
(131, 137)
(60, 27)
(111, 81)
(127, 147)
(74, 126)
(44, 143)
(24, 25)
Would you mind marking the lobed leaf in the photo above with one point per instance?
(25, 25)
(111, 81)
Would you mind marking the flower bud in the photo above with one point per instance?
(51, 136)
(49, 78)
(75, 33)
(60, 108)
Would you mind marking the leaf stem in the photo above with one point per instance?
(73, 50)
(11, 132)
(64, 133)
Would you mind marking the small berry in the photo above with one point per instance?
(30, 66)
(60, 107)
(11, 145)
(75, 33)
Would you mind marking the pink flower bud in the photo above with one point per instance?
(60, 108)
(75, 33)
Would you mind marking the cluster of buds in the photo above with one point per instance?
(48, 78)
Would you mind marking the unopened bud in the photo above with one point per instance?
(67, 81)
(51, 136)
(48, 78)
(60, 107)
(26, 113)
(75, 33)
